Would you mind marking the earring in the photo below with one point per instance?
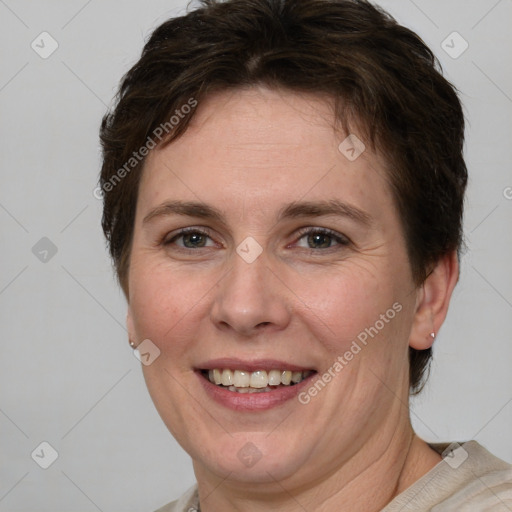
(132, 344)
(433, 335)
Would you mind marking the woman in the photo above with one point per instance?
(283, 188)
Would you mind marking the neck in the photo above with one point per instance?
(384, 469)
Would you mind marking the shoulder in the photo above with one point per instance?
(188, 502)
(469, 478)
(481, 480)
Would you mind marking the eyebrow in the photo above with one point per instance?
(293, 210)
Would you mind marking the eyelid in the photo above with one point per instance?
(341, 239)
(168, 239)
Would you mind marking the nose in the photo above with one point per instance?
(251, 299)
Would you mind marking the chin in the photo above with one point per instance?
(252, 457)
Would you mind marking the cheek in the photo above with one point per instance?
(165, 302)
(343, 304)
(334, 305)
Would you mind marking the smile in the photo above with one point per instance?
(260, 381)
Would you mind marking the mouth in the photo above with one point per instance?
(253, 384)
(259, 381)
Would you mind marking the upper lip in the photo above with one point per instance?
(251, 365)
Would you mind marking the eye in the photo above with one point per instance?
(322, 238)
(192, 238)
(316, 238)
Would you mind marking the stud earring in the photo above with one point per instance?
(132, 344)
(433, 335)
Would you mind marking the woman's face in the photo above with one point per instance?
(294, 261)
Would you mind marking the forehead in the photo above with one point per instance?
(261, 146)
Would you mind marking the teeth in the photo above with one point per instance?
(252, 382)
(240, 390)
(286, 377)
(241, 379)
(217, 377)
(227, 378)
(296, 377)
(259, 379)
(249, 390)
(274, 378)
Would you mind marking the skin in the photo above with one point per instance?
(248, 153)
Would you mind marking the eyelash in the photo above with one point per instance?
(340, 239)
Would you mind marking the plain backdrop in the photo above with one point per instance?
(67, 374)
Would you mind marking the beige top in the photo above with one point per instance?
(468, 479)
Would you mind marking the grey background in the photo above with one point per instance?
(67, 375)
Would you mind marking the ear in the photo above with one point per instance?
(433, 300)
(130, 326)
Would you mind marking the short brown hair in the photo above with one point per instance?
(380, 74)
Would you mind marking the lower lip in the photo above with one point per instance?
(252, 401)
